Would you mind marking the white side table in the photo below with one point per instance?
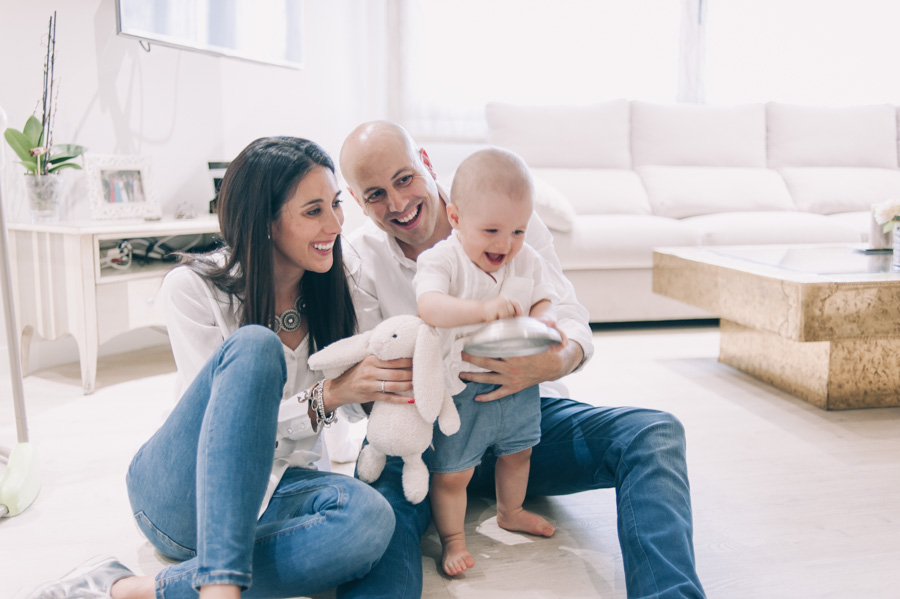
(60, 288)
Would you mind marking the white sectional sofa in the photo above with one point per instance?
(617, 179)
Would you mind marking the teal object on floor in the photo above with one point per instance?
(20, 483)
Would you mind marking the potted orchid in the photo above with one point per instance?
(37, 157)
(34, 145)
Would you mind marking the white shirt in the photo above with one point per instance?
(199, 318)
(382, 284)
(447, 269)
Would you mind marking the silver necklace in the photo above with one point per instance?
(289, 320)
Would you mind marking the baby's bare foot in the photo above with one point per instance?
(524, 521)
(456, 558)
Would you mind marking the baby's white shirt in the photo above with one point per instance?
(446, 268)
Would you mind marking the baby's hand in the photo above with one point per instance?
(501, 307)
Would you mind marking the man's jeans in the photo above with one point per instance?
(197, 485)
(639, 452)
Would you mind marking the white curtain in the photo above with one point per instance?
(692, 51)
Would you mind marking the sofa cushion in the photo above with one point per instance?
(682, 191)
(832, 136)
(695, 135)
(825, 190)
(752, 228)
(862, 222)
(552, 206)
(619, 240)
(598, 191)
(595, 135)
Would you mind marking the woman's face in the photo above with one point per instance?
(303, 235)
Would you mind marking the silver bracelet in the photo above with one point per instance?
(318, 405)
(305, 396)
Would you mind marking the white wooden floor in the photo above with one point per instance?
(789, 501)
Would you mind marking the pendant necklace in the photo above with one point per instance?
(289, 320)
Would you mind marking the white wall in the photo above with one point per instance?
(181, 108)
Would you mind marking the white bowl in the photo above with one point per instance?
(511, 337)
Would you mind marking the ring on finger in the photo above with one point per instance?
(382, 386)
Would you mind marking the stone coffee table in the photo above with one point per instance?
(821, 322)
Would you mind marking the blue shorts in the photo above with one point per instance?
(507, 425)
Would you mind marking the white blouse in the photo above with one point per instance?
(199, 318)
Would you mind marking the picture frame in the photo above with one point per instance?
(120, 187)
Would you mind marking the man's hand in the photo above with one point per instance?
(515, 374)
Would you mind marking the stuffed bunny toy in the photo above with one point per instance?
(398, 430)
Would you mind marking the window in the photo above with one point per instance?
(456, 55)
(450, 57)
(802, 51)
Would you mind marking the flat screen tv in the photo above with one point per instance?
(267, 31)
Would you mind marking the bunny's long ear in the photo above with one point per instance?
(428, 373)
(334, 359)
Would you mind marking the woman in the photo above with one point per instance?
(242, 322)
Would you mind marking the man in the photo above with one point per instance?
(639, 452)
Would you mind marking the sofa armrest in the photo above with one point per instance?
(552, 206)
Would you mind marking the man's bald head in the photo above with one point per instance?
(368, 140)
(392, 180)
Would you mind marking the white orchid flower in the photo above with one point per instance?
(886, 211)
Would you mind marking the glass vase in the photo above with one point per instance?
(896, 257)
(44, 197)
(878, 239)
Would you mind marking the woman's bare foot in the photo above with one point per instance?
(521, 520)
(456, 558)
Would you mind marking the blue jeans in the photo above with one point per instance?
(197, 485)
(641, 453)
(505, 426)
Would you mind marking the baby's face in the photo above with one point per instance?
(491, 228)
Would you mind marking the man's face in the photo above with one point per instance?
(395, 186)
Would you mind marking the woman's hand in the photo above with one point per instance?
(371, 380)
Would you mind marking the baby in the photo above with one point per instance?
(484, 271)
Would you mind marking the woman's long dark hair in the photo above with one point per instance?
(256, 185)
